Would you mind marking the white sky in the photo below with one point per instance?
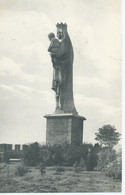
(26, 70)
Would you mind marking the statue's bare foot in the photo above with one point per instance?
(57, 107)
(59, 110)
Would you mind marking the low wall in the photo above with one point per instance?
(8, 151)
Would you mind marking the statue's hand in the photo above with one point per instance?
(56, 67)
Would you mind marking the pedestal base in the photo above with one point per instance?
(62, 128)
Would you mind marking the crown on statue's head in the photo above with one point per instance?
(61, 25)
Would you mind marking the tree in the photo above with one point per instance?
(107, 136)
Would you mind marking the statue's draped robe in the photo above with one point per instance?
(66, 68)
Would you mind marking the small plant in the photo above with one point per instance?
(20, 170)
(42, 168)
(60, 169)
(81, 166)
(76, 167)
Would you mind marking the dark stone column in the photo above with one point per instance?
(17, 147)
(62, 128)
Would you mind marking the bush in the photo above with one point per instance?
(59, 169)
(105, 156)
(32, 154)
(75, 167)
(20, 170)
(114, 168)
(78, 167)
(61, 155)
(91, 159)
(45, 155)
(83, 165)
(110, 163)
(42, 168)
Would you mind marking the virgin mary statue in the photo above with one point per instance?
(62, 59)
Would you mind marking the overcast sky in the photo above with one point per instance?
(94, 27)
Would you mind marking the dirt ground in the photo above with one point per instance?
(54, 181)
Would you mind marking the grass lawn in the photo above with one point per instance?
(54, 181)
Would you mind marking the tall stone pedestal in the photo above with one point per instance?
(63, 128)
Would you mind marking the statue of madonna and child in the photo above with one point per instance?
(61, 52)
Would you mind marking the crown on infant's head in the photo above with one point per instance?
(61, 25)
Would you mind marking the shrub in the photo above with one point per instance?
(42, 168)
(56, 156)
(110, 163)
(60, 169)
(78, 167)
(61, 155)
(20, 170)
(114, 168)
(45, 155)
(75, 167)
(32, 154)
(105, 156)
(83, 165)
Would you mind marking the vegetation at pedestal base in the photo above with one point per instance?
(42, 168)
(105, 156)
(101, 156)
(62, 155)
(114, 168)
(78, 167)
(32, 154)
(107, 136)
(110, 163)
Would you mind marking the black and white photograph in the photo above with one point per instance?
(61, 96)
